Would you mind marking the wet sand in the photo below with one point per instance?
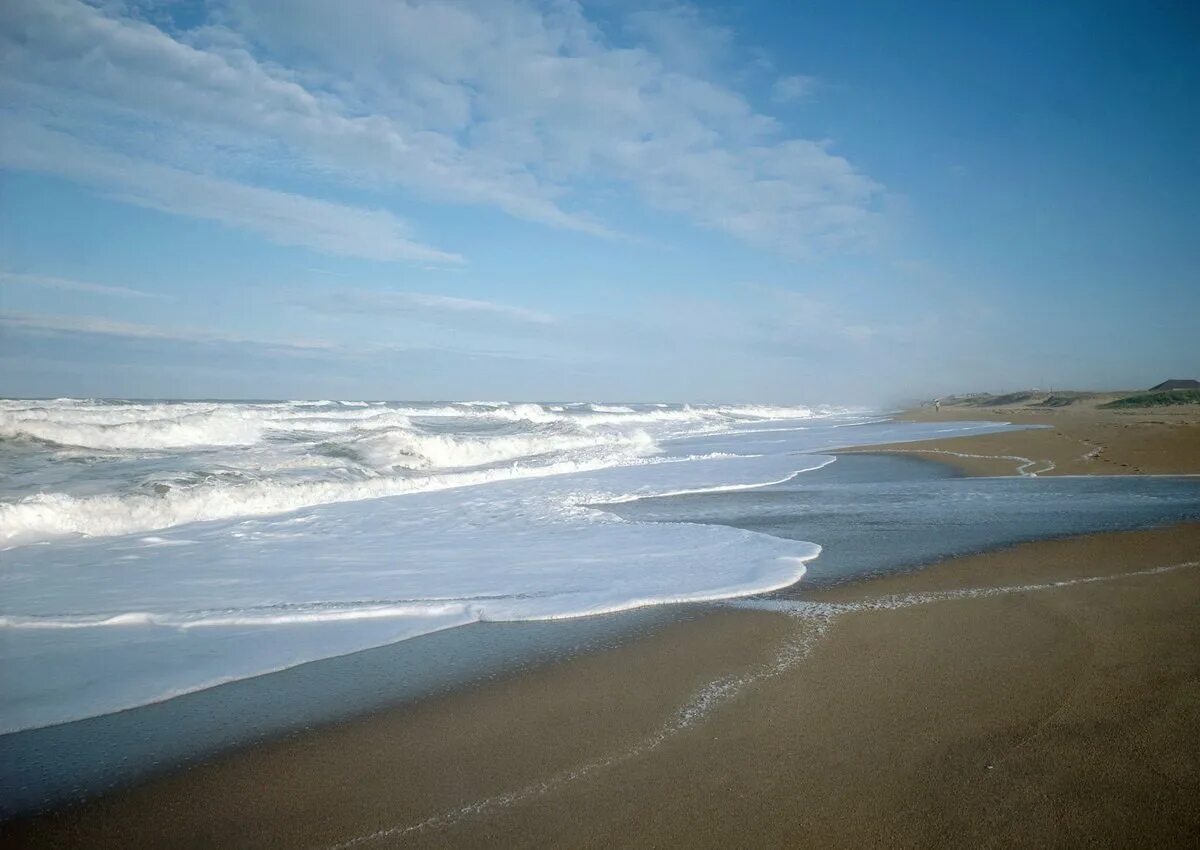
(1054, 715)
(1079, 439)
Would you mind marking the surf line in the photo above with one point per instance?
(1023, 463)
(817, 617)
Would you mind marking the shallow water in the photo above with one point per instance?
(69, 762)
(871, 514)
(96, 623)
(881, 513)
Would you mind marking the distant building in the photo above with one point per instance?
(1178, 384)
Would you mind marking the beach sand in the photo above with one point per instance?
(1078, 439)
(1060, 715)
(1040, 714)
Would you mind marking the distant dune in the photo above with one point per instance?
(1040, 399)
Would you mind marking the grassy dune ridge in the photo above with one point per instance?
(1163, 398)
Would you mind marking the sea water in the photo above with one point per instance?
(720, 508)
(158, 548)
(876, 514)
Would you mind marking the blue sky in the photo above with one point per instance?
(817, 201)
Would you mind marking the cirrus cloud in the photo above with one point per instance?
(520, 106)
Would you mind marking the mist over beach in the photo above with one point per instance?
(582, 424)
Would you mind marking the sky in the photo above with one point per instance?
(812, 202)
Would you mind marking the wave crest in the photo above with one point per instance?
(115, 467)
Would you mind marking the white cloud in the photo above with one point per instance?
(65, 284)
(99, 326)
(131, 68)
(60, 325)
(796, 87)
(440, 308)
(491, 102)
(680, 36)
(282, 217)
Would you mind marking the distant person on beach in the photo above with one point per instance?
(937, 406)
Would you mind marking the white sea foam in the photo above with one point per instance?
(290, 547)
(46, 515)
(261, 616)
(195, 461)
(132, 430)
(397, 448)
(181, 425)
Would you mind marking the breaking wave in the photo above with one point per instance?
(97, 468)
(179, 545)
(47, 515)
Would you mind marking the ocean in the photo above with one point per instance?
(157, 548)
(184, 577)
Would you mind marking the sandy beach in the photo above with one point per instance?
(1039, 715)
(1043, 694)
(1080, 438)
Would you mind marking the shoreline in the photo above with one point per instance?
(1081, 439)
(509, 760)
(819, 716)
(163, 737)
(157, 738)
